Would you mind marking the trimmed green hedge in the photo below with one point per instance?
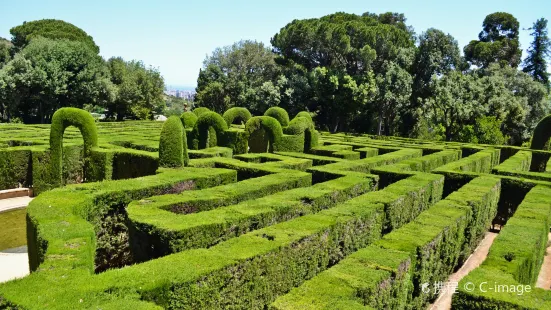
(514, 259)
(437, 239)
(62, 119)
(200, 111)
(189, 119)
(173, 144)
(542, 132)
(241, 115)
(264, 132)
(210, 125)
(279, 114)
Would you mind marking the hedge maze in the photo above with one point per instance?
(235, 211)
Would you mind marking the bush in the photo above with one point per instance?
(188, 119)
(542, 132)
(263, 132)
(304, 114)
(210, 125)
(62, 119)
(173, 144)
(201, 110)
(279, 114)
(241, 115)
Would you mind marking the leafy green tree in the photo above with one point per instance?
(497, 42)
(139, 90)
(515, 99)
(394, 91)
(454, 103)
(50, 29)
(437, 54)
(233, 75)
(535, 63)
(5, 54)
(339, 55)
(488, 131)
(49, 74)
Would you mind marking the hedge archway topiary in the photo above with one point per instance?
(173, 144)
(236, 114)
(62, 119)
(205, 122)
(301, 125)
(542, 133)
(263, 132)
(305, 114)
(188, 119)
(279, 114)
(201, 110)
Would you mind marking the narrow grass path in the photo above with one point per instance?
(444, 301)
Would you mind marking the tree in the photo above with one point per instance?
(5, 48)
(394, 92)
(49, 74)
(50, 29)
(454, 104)
(535, 63)
(437, 54)
(232, 76)
(340, 54)
(498, 42)
(139, 90)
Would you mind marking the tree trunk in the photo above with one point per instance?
(336, 127)
(380, 129)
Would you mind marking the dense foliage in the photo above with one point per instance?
(372, 74)
(50, 64)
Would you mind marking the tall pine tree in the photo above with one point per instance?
(540, 49)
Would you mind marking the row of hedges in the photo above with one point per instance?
(391, 173)
(389, 273)
(271, 132)
(514, 261)
(272, 258)
(164, 233)
(365, 165)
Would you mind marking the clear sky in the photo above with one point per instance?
(175, 36)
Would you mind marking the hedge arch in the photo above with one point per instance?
(201, 110)
(188, 119)
(279, 114)
(62, 119)
(542, 133)
(305, 114)
(301, 125)
(236, 113)
(263, 132)
(173, 144)
(204, 124)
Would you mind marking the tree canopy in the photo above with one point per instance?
(50, 29)
(497, 42)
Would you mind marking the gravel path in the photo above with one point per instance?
(444, 301)
(14, 203)
(544, 278)
(14, 263)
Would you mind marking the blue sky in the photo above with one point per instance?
(175, 36)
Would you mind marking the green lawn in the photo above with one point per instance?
(12, 229)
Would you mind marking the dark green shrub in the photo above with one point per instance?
(188, 119)
(200, 110)
(304, 114)
(173, 144)
(210, 125)
(542, 132)
(241, 115)
(263, 132)
(62, 119)
(279, 114)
